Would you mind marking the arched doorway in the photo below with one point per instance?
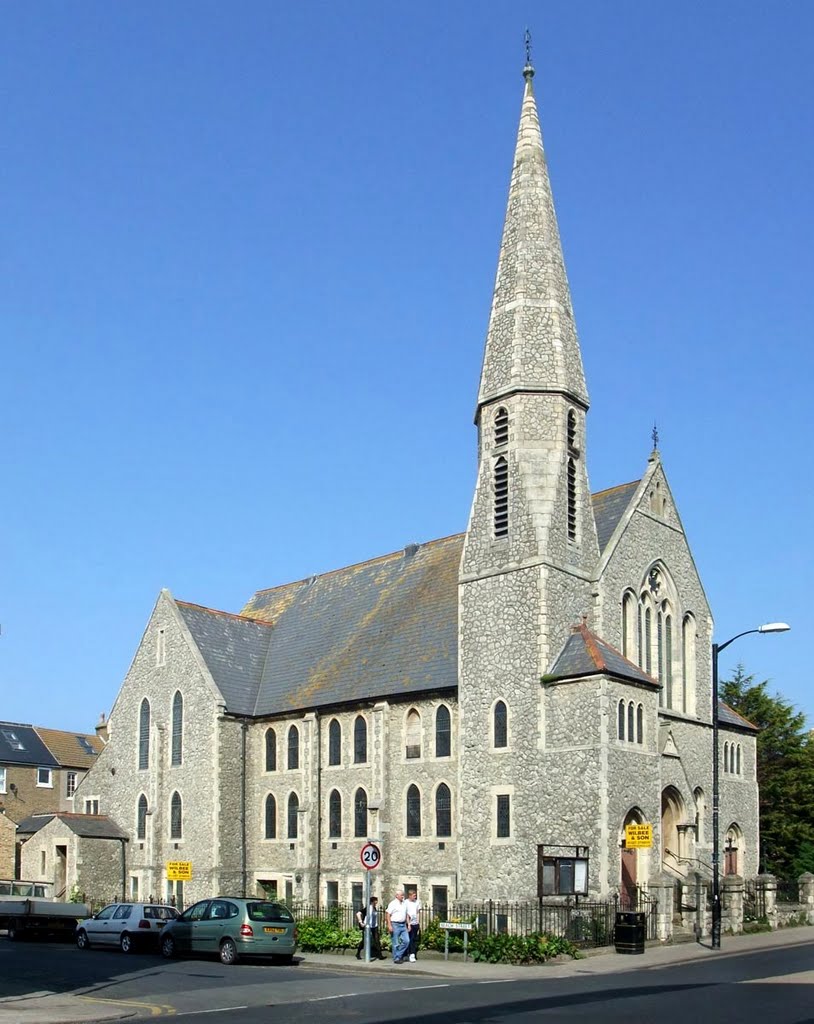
(733, 847)
(634, 866)
(673, 831)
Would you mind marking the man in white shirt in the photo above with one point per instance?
(397, 926)
(413, 905)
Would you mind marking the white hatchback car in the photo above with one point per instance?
(126, 925)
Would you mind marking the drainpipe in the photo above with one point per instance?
(318, 736)
(244, 730)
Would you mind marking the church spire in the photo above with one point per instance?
(531, 344)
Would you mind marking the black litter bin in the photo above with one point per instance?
(629, 931)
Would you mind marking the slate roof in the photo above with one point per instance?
(609, 506)
(585, 654)
(729, 716)
(71, 748)
(381, 628)
(20, 744)
(88, 826)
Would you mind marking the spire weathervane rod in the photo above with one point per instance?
(655, 436)
(528, 70)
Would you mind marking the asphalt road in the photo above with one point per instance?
(771, 987)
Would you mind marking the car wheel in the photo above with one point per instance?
(126, 943)
(82, 939)
(12, 932)
(168, 947)
(228, 952)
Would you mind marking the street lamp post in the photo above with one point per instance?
(770, 627)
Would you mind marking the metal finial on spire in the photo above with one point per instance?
(528, 70)
(655, 436)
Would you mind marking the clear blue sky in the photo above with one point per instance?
(247, 258)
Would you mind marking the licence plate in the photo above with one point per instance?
(274, 931)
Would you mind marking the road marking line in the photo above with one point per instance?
(799, 978)
(219, 1009)
(155, 1011)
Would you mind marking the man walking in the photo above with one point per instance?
(413, 905)
(397, 926)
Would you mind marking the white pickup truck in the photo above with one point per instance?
(29, 908)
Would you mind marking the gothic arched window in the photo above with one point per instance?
(500, 725)
(413, 734)
(640, 724)
(293, 747)
(442, 732)
(141, 818)
(144, 735)
(443, 811)
(176, 817)
(334, 814)
(501, 427)
(271, 750)
(334, 742)
(293, 815)
(360, 814)
(413, 811)
(177, 727)
(360, 740)
(620, 723)
(271, 817)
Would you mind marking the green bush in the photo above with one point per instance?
(519, 949)
(760, 924)
(319, 935)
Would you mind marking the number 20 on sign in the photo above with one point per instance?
(370, 856)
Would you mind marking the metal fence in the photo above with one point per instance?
(586, 923)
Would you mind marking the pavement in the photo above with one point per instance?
(65, 1008)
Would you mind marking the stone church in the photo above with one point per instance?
(493, 708)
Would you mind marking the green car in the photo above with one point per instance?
(233, 927)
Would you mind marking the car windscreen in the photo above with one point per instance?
(262, 911)
(161, 913)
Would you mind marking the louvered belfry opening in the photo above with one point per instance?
(501, 497)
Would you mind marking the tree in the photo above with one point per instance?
(785, 774)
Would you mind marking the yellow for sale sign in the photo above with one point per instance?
(638, 836)
(179, 870)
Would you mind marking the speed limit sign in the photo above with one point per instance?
(370, 856)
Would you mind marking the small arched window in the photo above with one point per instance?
(631, 722)
(144, 735)
(334, 742)
(501, 427)
(177, 727)
(443, 811)
(413, 811)
(500, 725)
(271, 750)
(738, 760)
(141, 818)
(640, 724)
(293, 747)
(620, 720)
(413, 734)
(629, 625)
(501, 486)
(360, 814)
(334, 814)
(442, 732)
(293, 815)
(726, 757)
(360, 740)
(176, 817)
(271, 817)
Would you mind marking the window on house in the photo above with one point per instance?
(500, 725)
(293, 815)
(562, 875)
(360, 814)
(92, 805)
(177, 727)
(334, 814)
(620, 724)
(503, 823)
(640, 724)
(141, 818)
(726, 757)
(360, 740)
(160, 648)
(443, 811)
(45, 778)
(738, 760)
(572, 500)
(442, 732)
(144, 735)
(334, 742)
(413, 734)
(13, 739)
(293, 747)
(501, 427)
(2, 779)
(271, 817)
(271, 750)
(413, 811)
(356, 894)
(631, 733)
(501, 489)
(331, 894)
(176, 817)
(70, 784)
(440, 902)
